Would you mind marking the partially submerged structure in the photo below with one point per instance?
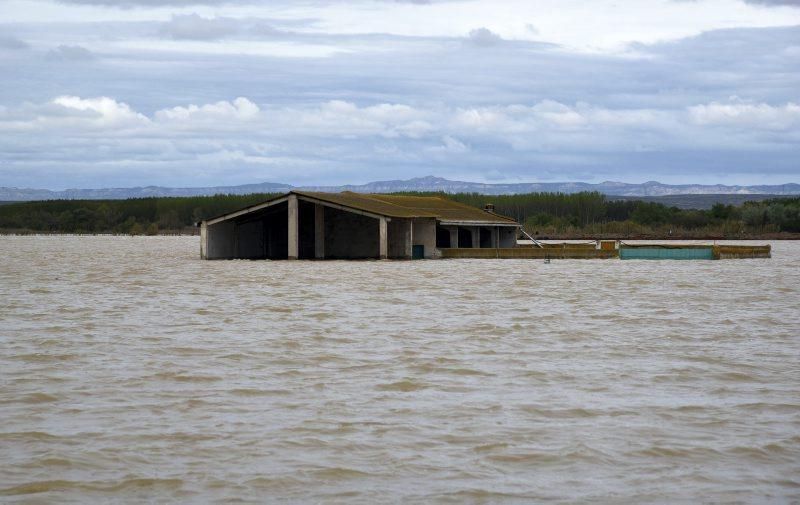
(692, 251)
(312, 225)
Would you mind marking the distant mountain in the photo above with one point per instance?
(651, 188)
(430, 183)
(18, 195)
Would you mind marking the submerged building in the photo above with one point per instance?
(311, 225)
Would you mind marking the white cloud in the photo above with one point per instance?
(240, 109)
(221, 136)
(747, 115)
(549, 115)
(346, 120)
(107, 112)
(72, 115)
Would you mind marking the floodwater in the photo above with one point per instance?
(131, 371)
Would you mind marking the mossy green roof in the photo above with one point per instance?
(400, 206)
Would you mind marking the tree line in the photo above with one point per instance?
(544, 214)
(134, 216)
(593, 214)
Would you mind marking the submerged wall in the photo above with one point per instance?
(399, 238)
(220, 241)
(529, 253)
(508, 236)
(424, 233)
(350, 236)
(742, 251)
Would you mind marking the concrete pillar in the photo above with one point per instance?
(383, 239)
(495, 237)
(203, 240)
(454, 236)
(319, 231)
(294, 228)
(476, 237)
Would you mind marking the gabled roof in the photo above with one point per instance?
(397, 206)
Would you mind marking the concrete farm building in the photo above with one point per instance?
(311, 225)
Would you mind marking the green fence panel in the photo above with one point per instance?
(657, 253)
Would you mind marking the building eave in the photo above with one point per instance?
(451, 222)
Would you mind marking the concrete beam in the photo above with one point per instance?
(294, 228)
(319, 231)
(383, 239)
(476, 223)
(247, 210)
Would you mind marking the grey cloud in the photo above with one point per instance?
(195, 27)
(766, 3)
(12, 43)
(128, 4)
(791, 3)
(484, 37)
(681, 90)
(70, 53)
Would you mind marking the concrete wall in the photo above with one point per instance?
(508, 236)
(220, 241)
(349, 235)
(424, 233)
(399, 238)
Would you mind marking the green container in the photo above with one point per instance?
(417, 252)
(666, 253)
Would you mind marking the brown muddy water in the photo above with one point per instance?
(131, 371)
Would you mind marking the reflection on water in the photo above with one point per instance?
(132, 370)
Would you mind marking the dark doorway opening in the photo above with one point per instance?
(442, 238)
(464, 238)
(486, 238)
(306, 229)
(262, 235)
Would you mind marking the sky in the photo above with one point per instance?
(187, 93)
